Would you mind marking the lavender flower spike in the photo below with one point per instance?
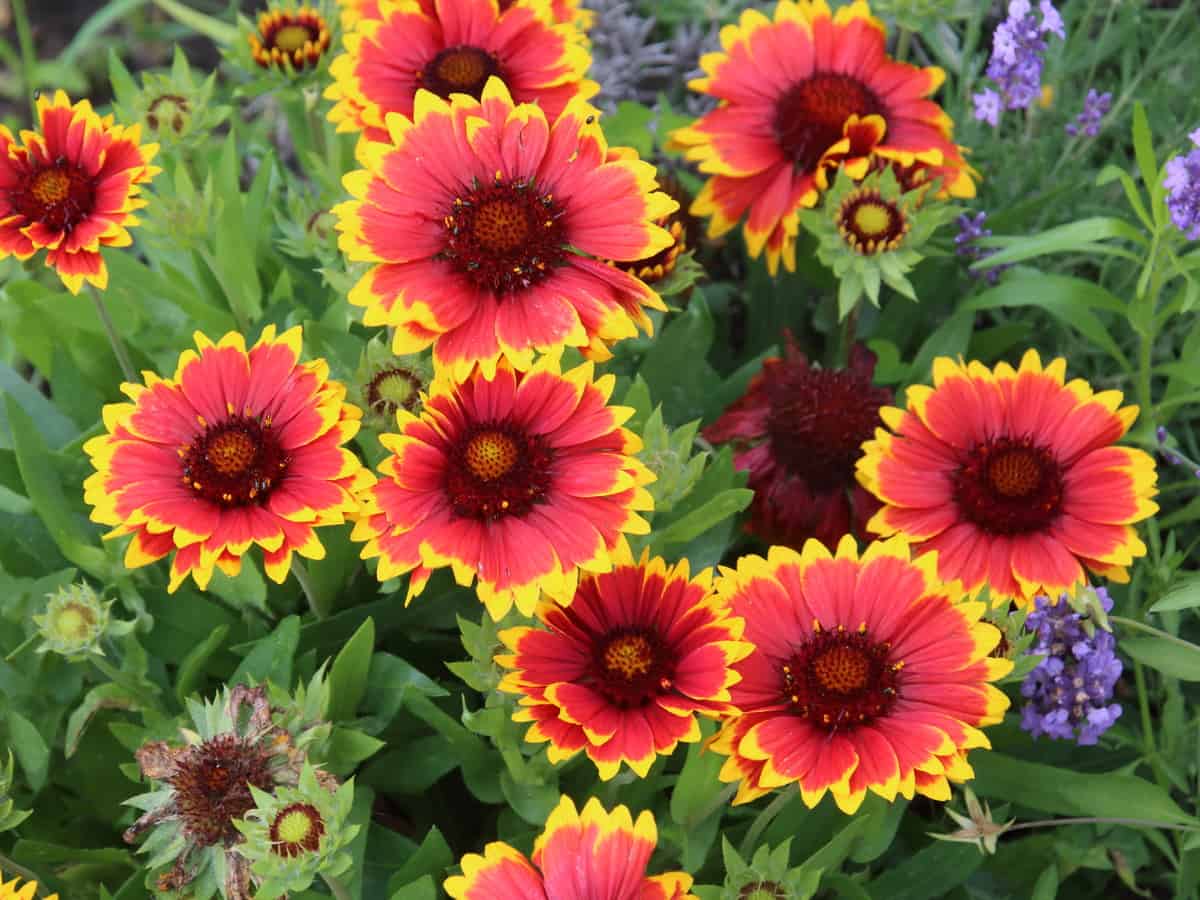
(1183, 189)
(1095, 106)
(1070, 690)
(970, 230)
(1016, 63)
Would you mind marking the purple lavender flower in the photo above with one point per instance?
(1183, 189)
(1095, 106)
(970, 230)
(1070, 689)
(1016, 62)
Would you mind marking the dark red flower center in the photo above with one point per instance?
(235, 462)
(212, 786)
(170, 109)
(297, 828)
(871, 224)
(496, 470)
(1009, 486)
(504, 236)
(393, 389)
(839, 678)
(631, 667)
(459, 70)
(810, 115)
(59, 196)
(819, 419)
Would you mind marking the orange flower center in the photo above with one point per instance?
(505, 236)
(628, 656)
(59, 196)
(631, 667)
(871, 224)
(498, 469)
(235, 462)
(838, 679)
(459, 70)
(491, 455)
(810, 115)
(296, 829)
(1009, 486)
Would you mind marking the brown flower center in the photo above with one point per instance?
(871, 224)
(810, 115)
(1009, 486)
(631, 667)
(498, 469)
(838, 679)
(59, 196)
(297, 828)
(504, 236)
(234, 462)
(212, 782)
(459, 70)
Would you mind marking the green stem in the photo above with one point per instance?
(7, 865)
(339, 890)
(316, 601)
(1148, 742)
(28, 53)
(114, 339)
(716, 803)
(1150, 629)
(903, 43)
(25, 643)
(1136, 823)
(123, 679)
(765, 818)
(846, 335)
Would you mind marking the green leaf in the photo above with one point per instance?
(1168, 657)
(695, 523)
(1069, 793)
(215, 30)
(932, 872)
(432, 858)
(103, 696)
(630, 126)
(348, 677)
(192, 666)
(1110, 173)
(1184, 593)
(532, 802)
(421, 889)
(831, 856)
(694, 796)
(54, 427)
(271, 658)
(1046, 887)
(348, 747)
(1074, 237)
(30, 749)
(1143, 147)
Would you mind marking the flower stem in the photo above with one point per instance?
(316, 601)
(1149, 745)
(7, 865)
(114, 339)
(903, 42)
(1089, 820)
(1157, 632)
(765, 818)
(339, 890)
(28, 53)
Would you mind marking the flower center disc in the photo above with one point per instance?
(296, 829)
(235, 462)
(293, 37)
(631, 668)
(1009, 486)
(871, 224)
(811, 114)
(59, 196)
(504, 237)
(839, 679)
(212, 786)
(459, 70)
(498, 470)
(74, 622)
(393, 389)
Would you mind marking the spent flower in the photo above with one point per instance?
(1070, 690)
(1183, 189)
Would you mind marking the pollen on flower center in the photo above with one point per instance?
(234, 462)
(51, 186)
(628, 656)
(498, 470)
(459, 70)
(1009, 486)
(631, 667)
(810, 115)
(59, 196)
(296, 829)
(504, 236)
(838, 679)
(491, 455)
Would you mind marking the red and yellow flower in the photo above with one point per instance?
(292, 39)
(799, 431)
(801, 95)
(354, 11)
(488, 224)
(1013, 477)
(868, 674)
(238, 448)
(517, 479)
(454, 47)
(621, 672)
(70, 188)
(580, 856)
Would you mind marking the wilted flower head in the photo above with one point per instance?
(1016, 63)
(1095, 106)
(977, 826)
(204, 786)
(1183, 189)
(74, 622)
(297, 833)
(1070, 689)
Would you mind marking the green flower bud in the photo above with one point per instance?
(766, 876)
(74, 622)
(391, 383)
(667, 452)
(174, 108)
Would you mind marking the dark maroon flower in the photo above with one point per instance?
(799, 430)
